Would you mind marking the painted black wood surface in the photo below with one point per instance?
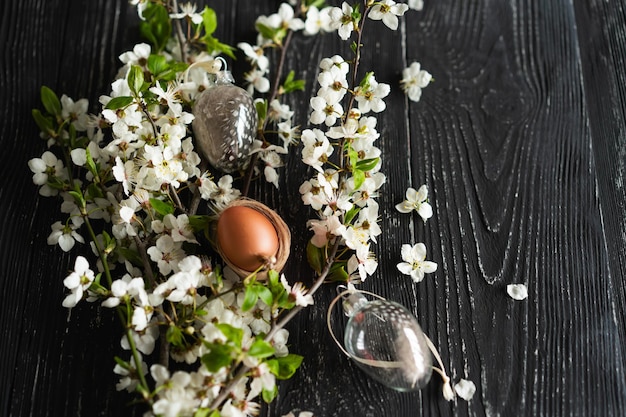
(521, 139)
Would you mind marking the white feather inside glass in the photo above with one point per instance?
(385, 340)
(225, 124)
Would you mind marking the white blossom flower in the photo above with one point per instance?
(414, 78)
(371, 96)
(325, 229)
(183, 284)
(416, 200)
(465, 389)
(78, 282)
(169, 97)
(415, 263)
(76, 111)
(333, 84)
(324, 111)
(341, 20)
(283, 19)
(272, 161)
(263, 379)
(255, 54)
(363, 262)
(128, 381)
(207, 186)
(45, 169)
(388, 11)
(65, 235)
(288, 133)
(138, 56)
(125, 172)
(279, 342)
(257, 81)
(225, 192)
(278, 111)
(188, 10)
(144, 340)
(177, 227)
(317, 20)
(166, 254)
(316, 148)
(297, 293)
(123, 287)
(517, 291)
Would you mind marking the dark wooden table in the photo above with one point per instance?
(521, 139)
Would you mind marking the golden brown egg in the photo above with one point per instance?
(246, 237)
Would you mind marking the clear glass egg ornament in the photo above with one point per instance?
(225, 124)
(385, 340)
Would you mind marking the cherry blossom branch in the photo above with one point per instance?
(273, 94)
(244, 369)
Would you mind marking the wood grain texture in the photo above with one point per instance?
(521, 140)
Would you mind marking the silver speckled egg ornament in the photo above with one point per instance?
(225, 124)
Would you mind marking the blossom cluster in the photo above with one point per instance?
(341, 144)
(133, 185)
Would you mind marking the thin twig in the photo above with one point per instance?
(179, 34)
(272, 96)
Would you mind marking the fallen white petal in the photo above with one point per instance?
(465, 389)
(517, 291)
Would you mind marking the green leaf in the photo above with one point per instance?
(353, 156)
(274, 284)
(94, 191)
(129, 254)
(316, 257)
(44, 123)
(250, 298)
(359, 178)
(219, 356)
(338, 273)
(157, 64)
(174, 336)
(273, 278)
(206, 412)
(214, 46)
(261, 349)
(317, 3)
(265, 294)
(120, 102)
(109, 243)
(284, 367)
(270, 395)
(265, 31)
(91, 164)
(50, 101)
(78, 197)
(156, 26)
(234, 334)
(161, 207)
(367, 164)
(365, 82)
(350, 214)
(199, 222)
(209, 20)
(292, 84)
(135, 79)
(261, 110)
(121, 362)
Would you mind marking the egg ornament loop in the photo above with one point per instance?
(384, 339)
(225, 124)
